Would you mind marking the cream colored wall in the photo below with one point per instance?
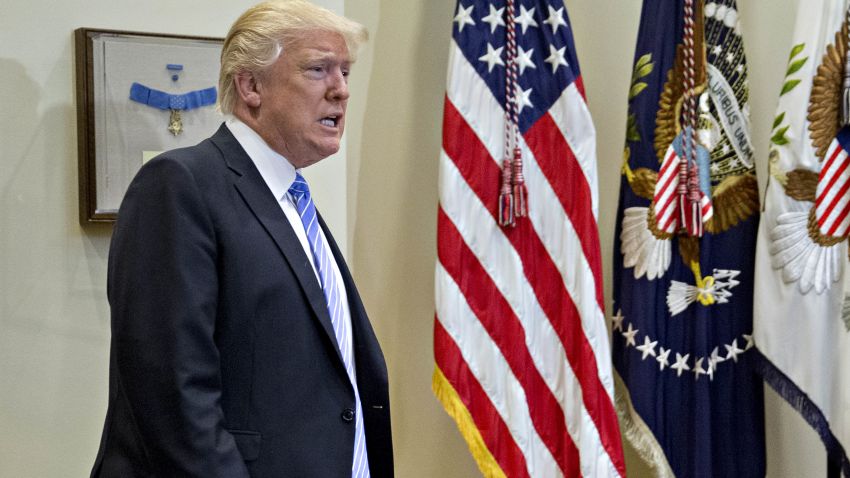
(53, 315)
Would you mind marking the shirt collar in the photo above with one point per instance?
(275, 169)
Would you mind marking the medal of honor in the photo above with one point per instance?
(175, 103)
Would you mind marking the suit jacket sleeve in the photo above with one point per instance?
(162, 289)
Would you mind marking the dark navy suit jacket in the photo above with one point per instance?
(223, 360)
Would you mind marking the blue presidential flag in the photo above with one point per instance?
(688, 397)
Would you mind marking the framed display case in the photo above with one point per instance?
(138, 94)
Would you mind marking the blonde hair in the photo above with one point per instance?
(259, 36)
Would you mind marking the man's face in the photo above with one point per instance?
(303, 98)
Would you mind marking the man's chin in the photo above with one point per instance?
(327, 149)
(319, 153)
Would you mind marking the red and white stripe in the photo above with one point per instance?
(666, 200)
(667, 207)
(520, 330)
(832, 202)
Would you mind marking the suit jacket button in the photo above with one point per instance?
(348, 415)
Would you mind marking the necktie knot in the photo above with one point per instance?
(299, 187)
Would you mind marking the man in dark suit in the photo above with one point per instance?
(240, 346)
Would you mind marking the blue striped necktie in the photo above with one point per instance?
(322, 259)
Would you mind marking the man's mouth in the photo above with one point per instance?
(330, 121)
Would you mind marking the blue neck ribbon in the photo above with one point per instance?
(167, 101)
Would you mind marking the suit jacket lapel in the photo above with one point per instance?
(265, 207)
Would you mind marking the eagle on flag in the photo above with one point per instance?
(647, 231)
(803, 244)
(688, 397)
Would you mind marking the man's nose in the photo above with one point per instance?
(338, 89)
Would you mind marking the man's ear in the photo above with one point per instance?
(248, 88)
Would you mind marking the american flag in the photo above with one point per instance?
(520, 342)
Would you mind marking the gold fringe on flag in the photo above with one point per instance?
(638, 433)
(454, 406)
